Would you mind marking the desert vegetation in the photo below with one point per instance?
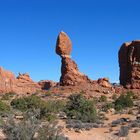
(37, 117)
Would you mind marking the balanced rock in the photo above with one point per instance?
(63, 45)
(129, 61)
(70, 74)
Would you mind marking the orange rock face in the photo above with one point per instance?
(104, 82)
(129, 60)
(22, 84)
(70, 75)
(7, 81)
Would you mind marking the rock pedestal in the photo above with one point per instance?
(70, 74)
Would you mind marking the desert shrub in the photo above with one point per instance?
(114, 97)
(130, 94)
(55, 105)
(30, 102)
(48, 109)
(21, 130)
(135, 97)
(29, 126)
(103, 98)
(118, 108)
(123, 101)
(4, 108)
(8, 96)
(50, 132)
(95, 99)
(80, 108)
(19, 104)
(107, 106)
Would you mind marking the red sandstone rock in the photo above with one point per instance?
(129, 61)
(47, 84)
(70, 75)
(24, 77)
(7, 81)
(104, 82)
(63, 45)
(22, 84)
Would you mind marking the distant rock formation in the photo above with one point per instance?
(75, 81)
(22, 84)
(70, 75)
(129, 61)
(47, 84)
(104, 82)
(7, 81)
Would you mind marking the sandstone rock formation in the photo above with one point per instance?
(63, 45)
(70, 75)
(47, 84)
(7, 81)
(129, 61)
(22, 84)
(104, 82)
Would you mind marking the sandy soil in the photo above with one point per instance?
(103, 133)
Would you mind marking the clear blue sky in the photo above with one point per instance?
(97, 28)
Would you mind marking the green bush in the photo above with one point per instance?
(30, 102)
(103, 98)
(130, 94)
(123, 101)
(107, 106)
(136, 97)
(114, 97)
(48, 109)
(118, 108)
(55, 105)
(80, 108)
(8, 96)
(4, 108)
(19, 104)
